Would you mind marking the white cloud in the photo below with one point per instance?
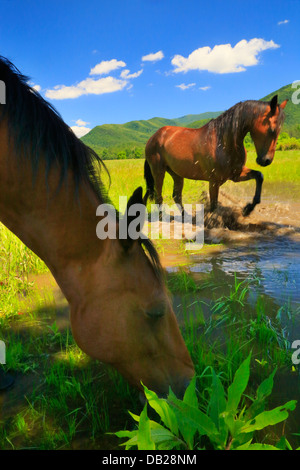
(80, 122)
(223, 58)
(89, 86)
(153, 57)
(283, 22)
(107, 66)
(36, 87)
(185, 87)
(80, 131)
(96, 86)
(204, 88)
(126, 74)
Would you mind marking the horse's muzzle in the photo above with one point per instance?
(264, 161)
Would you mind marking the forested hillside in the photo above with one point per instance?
(128, 140)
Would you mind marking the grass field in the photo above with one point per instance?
(127, 175)
(63, 399)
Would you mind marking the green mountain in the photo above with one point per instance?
(134, 134)
(191, 118)
(129, 139)
(118, 135)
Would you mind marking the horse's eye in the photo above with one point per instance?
(156, 312)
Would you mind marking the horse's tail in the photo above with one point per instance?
(149, 182)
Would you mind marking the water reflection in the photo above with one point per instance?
(276, 265)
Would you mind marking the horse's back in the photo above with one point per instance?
(158, 139)
(179, 148)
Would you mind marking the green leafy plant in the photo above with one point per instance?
(227, 424)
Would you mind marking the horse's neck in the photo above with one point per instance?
(241, 124)
(58, 228)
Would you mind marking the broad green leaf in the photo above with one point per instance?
(135, 417)
(261, 447)
(263, 391)
(266, 387)
(243, 446)
(192, 419)
(187, 431)
(144, 440)
(238, 386)
(162, 436)
(283, 444)
(217, 406)
(234, 425)
(190, 396)
(269, 418)
(159, 435)
(122, 434)
(131, 442)
(163, 409)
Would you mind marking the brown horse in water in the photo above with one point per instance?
(215, 152)
(120, 311)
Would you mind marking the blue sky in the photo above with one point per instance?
(115, 61)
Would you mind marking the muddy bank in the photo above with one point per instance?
(268, 220)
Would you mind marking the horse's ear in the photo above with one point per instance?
(136, 198)
(283, 104)
(273, 104)
(130, 216)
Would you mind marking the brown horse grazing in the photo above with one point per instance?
(215, 152)
(120, 311)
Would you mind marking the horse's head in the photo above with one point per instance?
(129, 322)
(265, 131)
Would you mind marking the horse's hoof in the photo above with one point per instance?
(248, 209)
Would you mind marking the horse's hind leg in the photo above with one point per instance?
(213, 194)
(177, 188)
(248, 174)
(158, 184)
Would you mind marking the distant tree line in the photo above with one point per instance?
(112, 153)
(285, 142)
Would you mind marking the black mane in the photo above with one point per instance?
(240, 116)
(38, 132)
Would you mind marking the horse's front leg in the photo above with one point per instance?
(248, 174)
